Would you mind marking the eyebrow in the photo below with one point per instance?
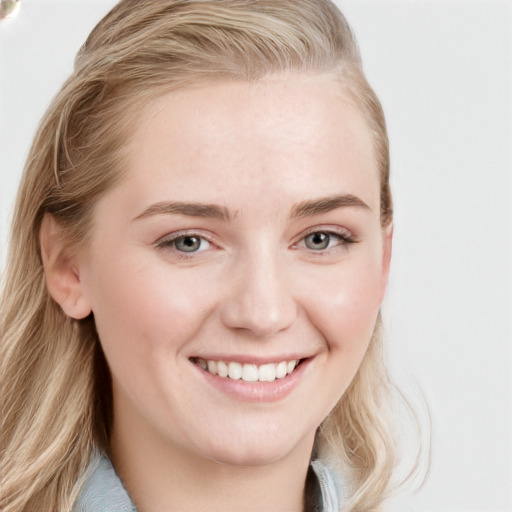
(211, 211)
(327, 204)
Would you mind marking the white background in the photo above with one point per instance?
(443, 72)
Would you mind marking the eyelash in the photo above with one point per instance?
(168, 242)
(343, 236)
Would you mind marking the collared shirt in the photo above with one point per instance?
(103, 490)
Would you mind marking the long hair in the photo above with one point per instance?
(56, 385)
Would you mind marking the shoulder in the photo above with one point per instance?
(103, 490)
(334, 489)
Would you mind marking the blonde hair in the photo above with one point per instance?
(56, 386)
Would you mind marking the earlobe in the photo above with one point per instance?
(61, 272)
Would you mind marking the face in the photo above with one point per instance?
(236, 273)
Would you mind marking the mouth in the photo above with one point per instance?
(248, 372)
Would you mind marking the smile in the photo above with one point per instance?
(247, 372)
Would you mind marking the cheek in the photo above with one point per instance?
(346, 308)
(143, 312)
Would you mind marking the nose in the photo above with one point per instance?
(259, 300)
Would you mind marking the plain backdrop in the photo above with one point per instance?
(442, 69)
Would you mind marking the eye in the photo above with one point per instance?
(318, 241)
(191, 243)
(187, 243)
(324, 241)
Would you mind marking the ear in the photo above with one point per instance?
(61, 272)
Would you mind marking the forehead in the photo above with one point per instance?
(285, 134)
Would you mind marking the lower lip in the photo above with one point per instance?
(257, 391)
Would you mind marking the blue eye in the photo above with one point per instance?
(184, 243)
(324, 240)
(190, 243)
(318, 241)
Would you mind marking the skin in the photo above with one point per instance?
(254, 288)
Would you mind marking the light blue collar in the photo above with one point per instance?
(103, 490)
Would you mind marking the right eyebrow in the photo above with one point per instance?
(326, 204)
(211, 211)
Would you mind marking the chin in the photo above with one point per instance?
(248, 456)
(258, 449)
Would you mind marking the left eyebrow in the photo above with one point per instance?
(327, 204)
(211, 211)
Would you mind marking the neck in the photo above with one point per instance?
(173, 478)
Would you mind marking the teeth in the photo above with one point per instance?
(235, 371)
(222, 369)
(212, 367)
(281, 369)
(290, 366)
(249, 372)
(267, 373)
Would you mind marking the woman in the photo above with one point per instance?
(200, 250)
